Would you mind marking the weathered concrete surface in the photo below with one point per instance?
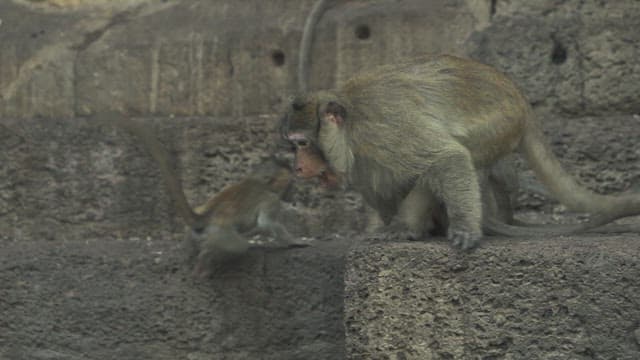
(93, 265)
(367, 34)
(556, 298)
(198, 57)
(576, 57)
(72, 178)
(133, 298)
(83, 213)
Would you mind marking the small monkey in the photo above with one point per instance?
(422, 130)
(221, 227)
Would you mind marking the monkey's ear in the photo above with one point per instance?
(335, 112)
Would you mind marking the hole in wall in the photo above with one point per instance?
(363, 32)
(492, 8)
(37, 34)
(277, 56)
(559, 53)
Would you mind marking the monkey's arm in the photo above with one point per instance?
(453, 181)
(269, 220)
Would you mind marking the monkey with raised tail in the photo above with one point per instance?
(221, 227)
(423, 129)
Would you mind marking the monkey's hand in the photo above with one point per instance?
(464, 239)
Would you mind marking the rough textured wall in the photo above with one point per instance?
(575, 57)
(197, 57)
(92, 264)
(555, 298)
(238, 58)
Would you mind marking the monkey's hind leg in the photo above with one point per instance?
(217, 245)
(416, 211)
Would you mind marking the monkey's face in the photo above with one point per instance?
(310, 164)
(300, 127)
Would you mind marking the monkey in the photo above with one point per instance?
(498, 184)
(498, 188)
(241, 210)
(498, 199)
(221, 227)
(421, 129)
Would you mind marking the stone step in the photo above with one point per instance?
(568, 297)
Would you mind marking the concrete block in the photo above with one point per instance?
(385, 32)
(134, 298)
(113, 79)
(575, 58)
(72, 178)
(555, 298)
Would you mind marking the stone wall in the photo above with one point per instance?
(238, 58)
(92, 265)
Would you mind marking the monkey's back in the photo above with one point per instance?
(238, 205)
(435, 97)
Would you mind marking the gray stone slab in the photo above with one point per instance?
(134, 298)
(576, 57)
(555, 298)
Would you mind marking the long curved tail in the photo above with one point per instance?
(163, 160)
(565, 188)
(493, 226)
(305, 44)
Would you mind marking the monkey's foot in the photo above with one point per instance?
(401, 230)
(464, 239)
(302, 242)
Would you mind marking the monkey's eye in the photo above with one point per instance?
(302, 143)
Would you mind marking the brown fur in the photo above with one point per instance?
(422, 129)
(221, 226)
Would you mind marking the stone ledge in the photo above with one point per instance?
(107, 298)
(556, 298)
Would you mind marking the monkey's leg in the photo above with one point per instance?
(216, 245)
(453, 180)
(411, 220)
(416, 211)
(499, 185)
(374, 221)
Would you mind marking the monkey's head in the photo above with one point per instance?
(274, 173)
(301, 125)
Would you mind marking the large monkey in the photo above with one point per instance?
(220, 228)
(499, 183)
(411, 136)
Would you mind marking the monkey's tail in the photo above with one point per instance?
(163, 159)
(564, 187)
(305, 44)
(594, 225)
